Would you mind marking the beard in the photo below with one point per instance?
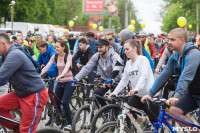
(104, 52)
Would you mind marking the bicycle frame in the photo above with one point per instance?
(162, 119)
(9, 120)
(126, 113)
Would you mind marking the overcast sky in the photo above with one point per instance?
(148, 11)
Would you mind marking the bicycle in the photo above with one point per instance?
(54, 112)
(4, 129)
(125, 122)
(163, 124)
(83, 117)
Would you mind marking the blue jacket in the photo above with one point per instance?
(44, 59)
(145, 53)
(116, 40)
(18, 69)
(93, 46)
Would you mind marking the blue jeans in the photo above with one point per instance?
(64, 92)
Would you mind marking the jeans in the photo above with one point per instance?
(64, 92)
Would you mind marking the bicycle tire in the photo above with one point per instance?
(49, 130)
(111, 126)
(78, 115)
(3, 129)
(50, 113)
(17, 114)
(78, 104)
(99, 115)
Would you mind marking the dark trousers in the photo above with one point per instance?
(101, 91)
(152, 112)
(64, 92)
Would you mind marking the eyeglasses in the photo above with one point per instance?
(110, 39)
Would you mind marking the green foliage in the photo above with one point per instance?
(177, 8)
(60, 12)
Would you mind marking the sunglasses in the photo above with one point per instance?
(142, 37)
(110, 39)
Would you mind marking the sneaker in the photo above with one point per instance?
(68, 128)
(62, 126)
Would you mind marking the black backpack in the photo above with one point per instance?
(35, 63)
(74, 67)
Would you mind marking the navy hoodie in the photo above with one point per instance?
(18, 69)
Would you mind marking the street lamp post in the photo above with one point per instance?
(76, 20)
(12, 4)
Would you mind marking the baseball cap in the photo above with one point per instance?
(13, 38)
(28, 33)
(159, 36)
(102, 42)
(36, 28)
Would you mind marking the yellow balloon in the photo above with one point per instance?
(94, 26)
(190, 26)
(133, 22)
(131, 27)
(143, 25)
(181, 21)
(100, 28)
(71, 23)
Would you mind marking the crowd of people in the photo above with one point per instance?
(126, 58)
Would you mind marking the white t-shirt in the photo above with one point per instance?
(139, 74)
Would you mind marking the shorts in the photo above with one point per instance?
(188, 102)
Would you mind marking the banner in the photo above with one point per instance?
(100, 7)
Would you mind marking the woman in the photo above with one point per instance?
(138, 72)
(64, 90)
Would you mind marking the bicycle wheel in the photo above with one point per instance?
(46, 116)
(17, 114)
(49, 130)
(112, 127)
(105, 114)
(3, 129)
(75, 104)
(80, 120)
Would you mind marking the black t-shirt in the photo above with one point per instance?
(84, 56)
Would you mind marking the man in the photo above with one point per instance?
(185, 63)
(13, 39)
(105, 60)
(38, 38)
(51, 33)
(149, 46)
(29, 93)
(36, 29)
(66, 34)
(159, 44)
(111, 38)
(71, 41)
(92, 41)
(76, 47)
(19, 35)
(124, 35)
(28, 37)
(9, 33)
(84, 53)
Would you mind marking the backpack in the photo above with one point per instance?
(35, 63)
(74, 67)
